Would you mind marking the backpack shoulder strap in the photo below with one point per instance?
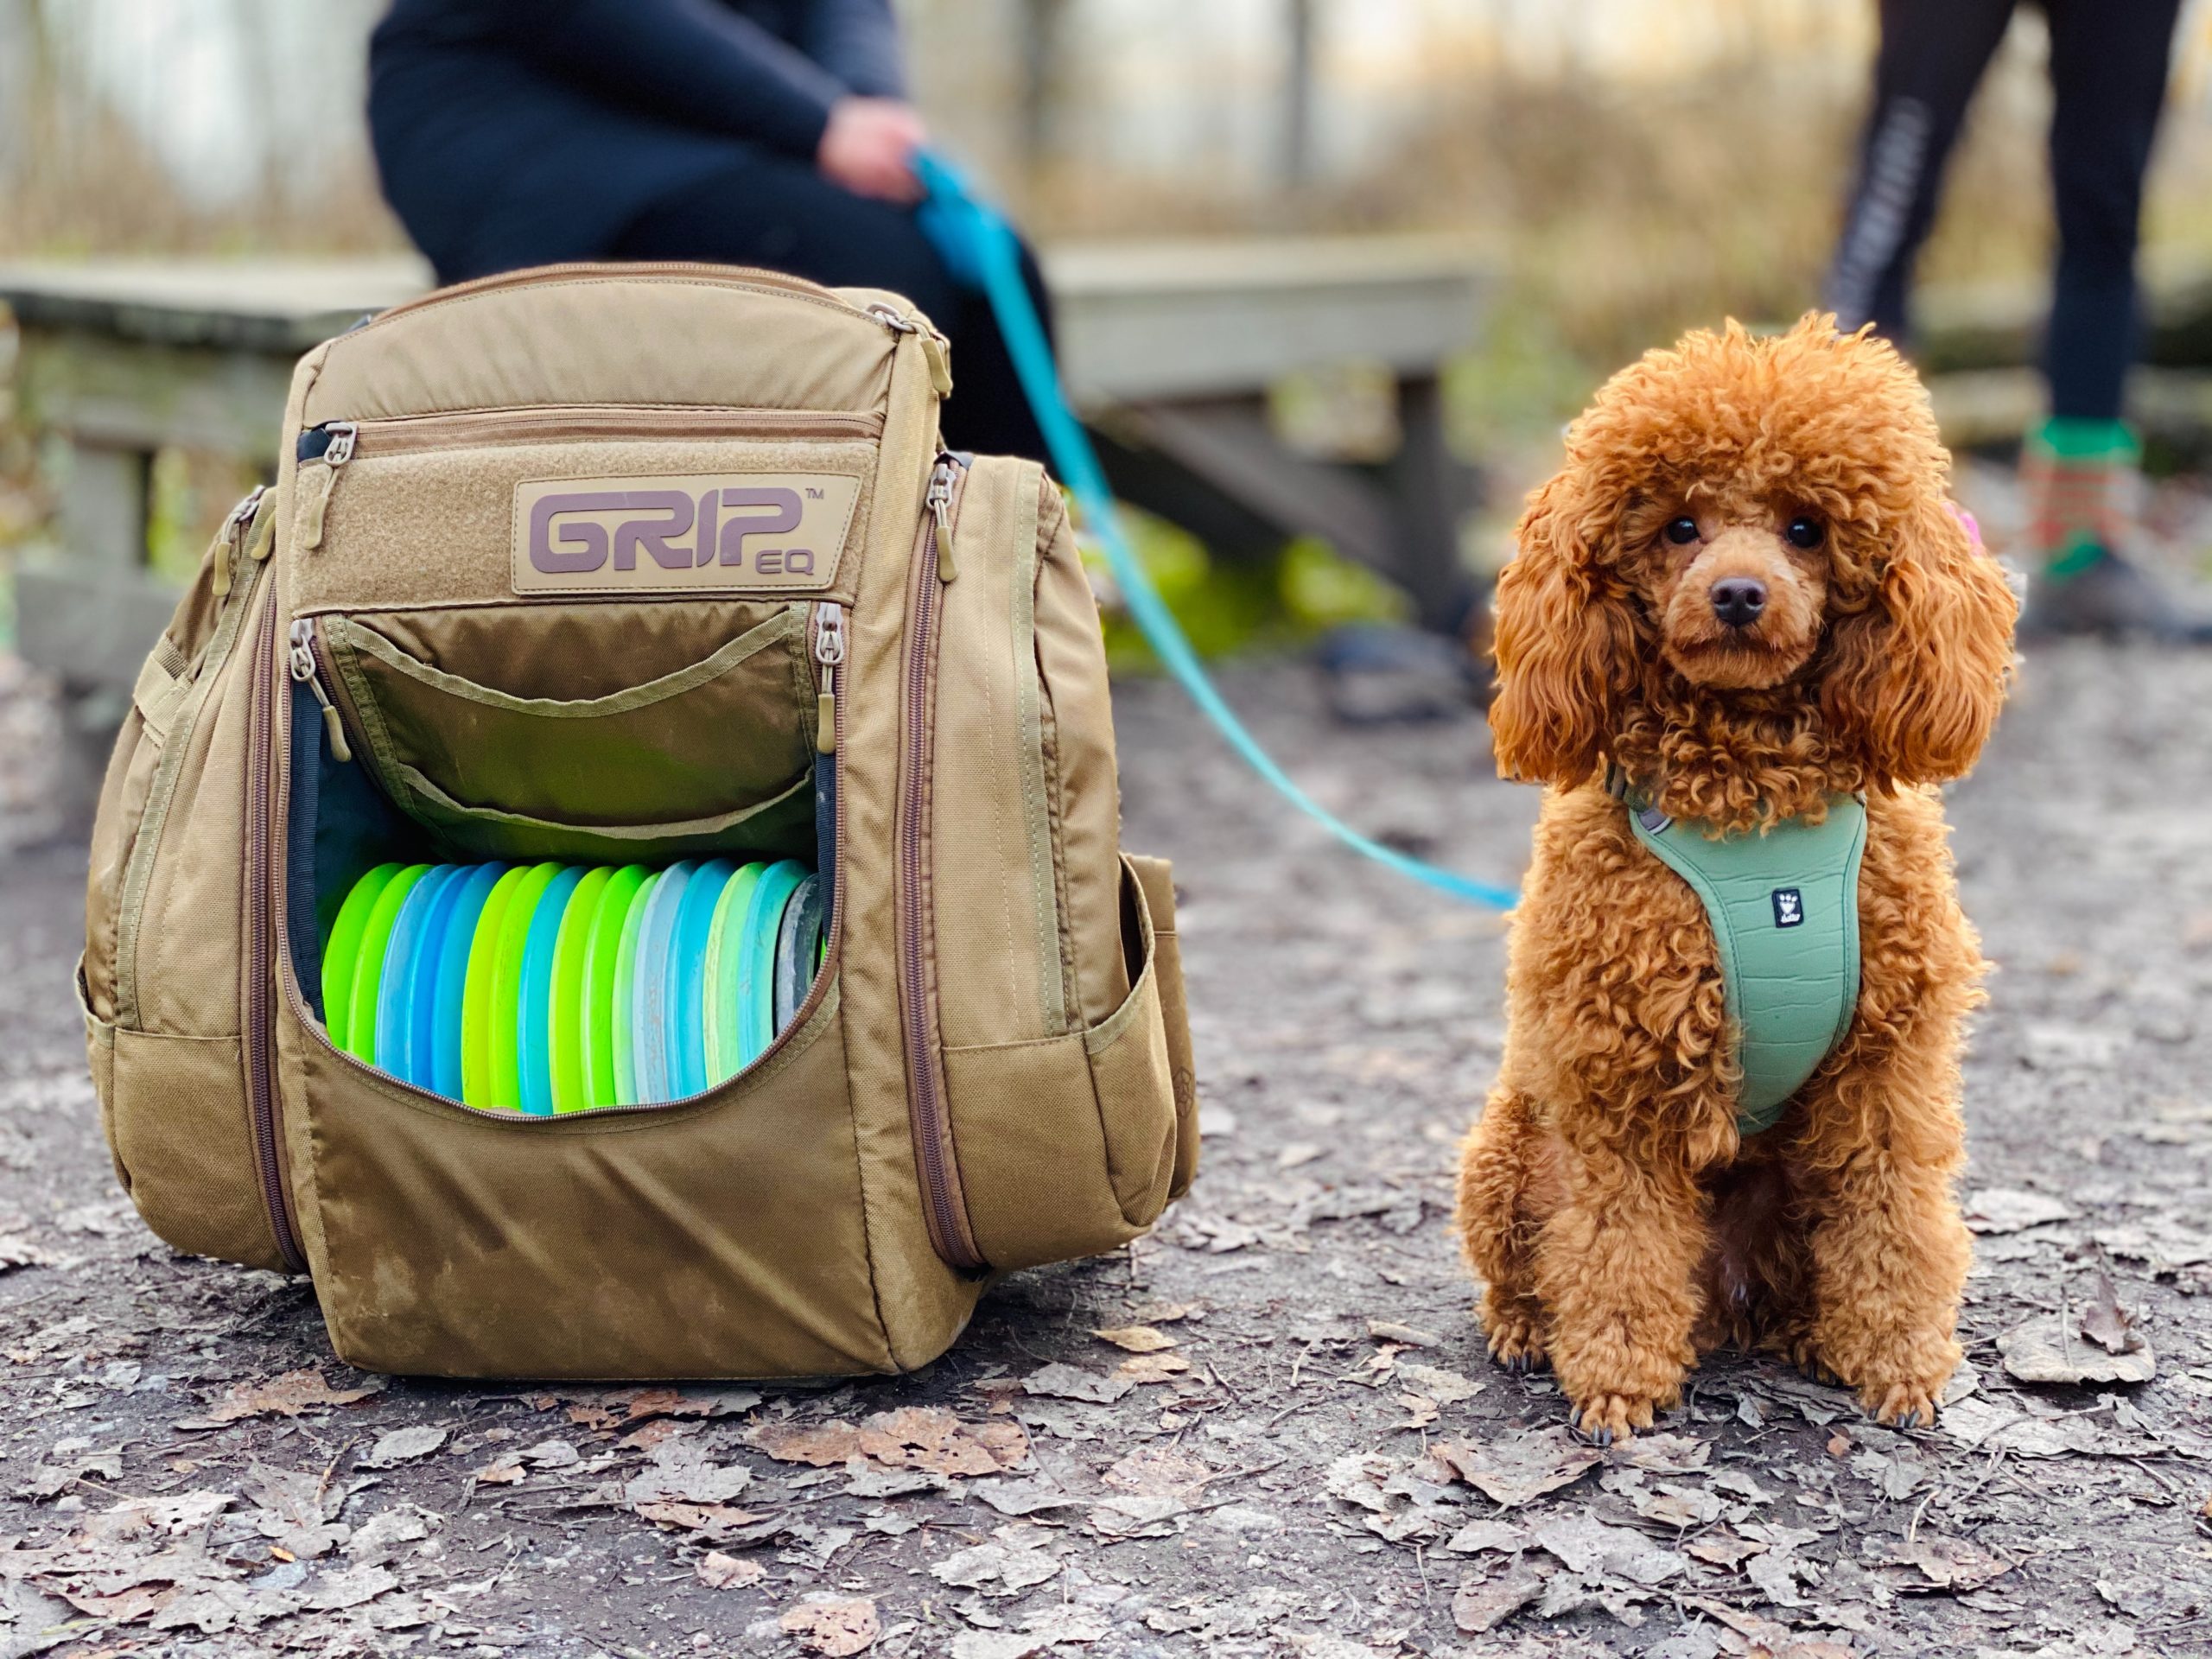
(1783, 906)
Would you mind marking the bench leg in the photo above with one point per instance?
(1429, 491)
(78, 625)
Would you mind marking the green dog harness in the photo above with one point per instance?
(1784, 911)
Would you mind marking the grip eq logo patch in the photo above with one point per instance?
(704, 533)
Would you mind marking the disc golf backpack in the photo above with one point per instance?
(658, 570)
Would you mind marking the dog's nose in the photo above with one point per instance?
(1739, 600)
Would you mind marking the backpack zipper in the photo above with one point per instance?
(322, 451)
(307, 669)
(261, 943)
(945, 1207)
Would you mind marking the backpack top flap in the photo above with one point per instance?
(603, 432)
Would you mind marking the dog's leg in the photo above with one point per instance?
(1890, 1257)
(1889, 1252)
(1617, 1268)
(1498, 1217)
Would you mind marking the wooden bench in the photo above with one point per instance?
(1170, 350)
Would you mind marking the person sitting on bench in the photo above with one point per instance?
(774, 133)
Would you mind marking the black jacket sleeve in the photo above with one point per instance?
(857, 41)
(690, 59)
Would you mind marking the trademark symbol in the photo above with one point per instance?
(814, 492)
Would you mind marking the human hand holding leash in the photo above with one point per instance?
(869, 147)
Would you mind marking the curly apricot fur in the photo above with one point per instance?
(1619, 1223)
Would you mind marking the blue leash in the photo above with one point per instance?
(979, 246)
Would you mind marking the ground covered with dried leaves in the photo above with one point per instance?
(1269, 1429)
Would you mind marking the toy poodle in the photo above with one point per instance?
(1745, 598)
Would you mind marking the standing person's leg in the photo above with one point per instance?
(784, 216)
(2108, 66)
(1932, 56)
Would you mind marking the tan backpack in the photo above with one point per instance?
(634, 564)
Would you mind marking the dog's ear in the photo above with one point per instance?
(1917, 676)
(1565, 646)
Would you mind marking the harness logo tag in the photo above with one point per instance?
(706, 533)
(1789, 907)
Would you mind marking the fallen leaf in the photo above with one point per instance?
(1951, 1563)
(720, 1571)
(1158, 1471)
(1136, 1338)
(2010, 1210)
(1665, 1454)
(2106, 1323)
(284, 1396)
(1520, 1469)
(834, 1628)
(1588, 1546)
(2046, 1350)
(1412, 1337)
(1152, 1368)
(1135, 1515)
(1030, 1496)
(500, 1471)
(1420, 1411)
(1060, 1382)
(913, 1436)
(1478, 1536)
(1482, 1605)
(1722, 1548)
(405, 1446)
(1445, 1388)
(717, 1523)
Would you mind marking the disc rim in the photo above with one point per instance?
(450, 984)
(795, 971)
(396, 997)
(566, 1013)
(757, 973)
(686, 971)
(343, 949)
(534, 1000)
(649, 1040)
(510, 950)
(366, 991)
(602, 961)
(724, 1031)
(626, 982)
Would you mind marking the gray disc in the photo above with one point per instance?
(795, 949)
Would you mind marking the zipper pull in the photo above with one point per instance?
(894, 318)
(940, 502)
(830, 652)
(331, 443)
(226, 538)
(303, 671)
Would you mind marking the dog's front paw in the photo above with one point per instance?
(1805, 1354)
(1902, 1405)
(1515, 1325)
(1609, 1417)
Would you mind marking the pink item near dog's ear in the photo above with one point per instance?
(1973, 527)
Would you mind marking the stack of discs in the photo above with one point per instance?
(548, 987)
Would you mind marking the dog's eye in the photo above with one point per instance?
(1682, 532)
(1805, 532)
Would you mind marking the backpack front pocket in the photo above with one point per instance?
(472, 722)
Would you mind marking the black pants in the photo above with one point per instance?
(2108, 61)
(784, 216)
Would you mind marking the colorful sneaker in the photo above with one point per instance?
(2079, 476)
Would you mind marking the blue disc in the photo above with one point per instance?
(649, 1044)
(470, 889)
(756, 974)
(419, 1018)
(685, 972)
(395, 997)
(534, 1019)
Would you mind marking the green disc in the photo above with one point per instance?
(602, 954)
(344, 946)
(367, 983)
(506, 983)
(477, 1014)
(566, 1013)
(625, 979)
(725, 1048)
